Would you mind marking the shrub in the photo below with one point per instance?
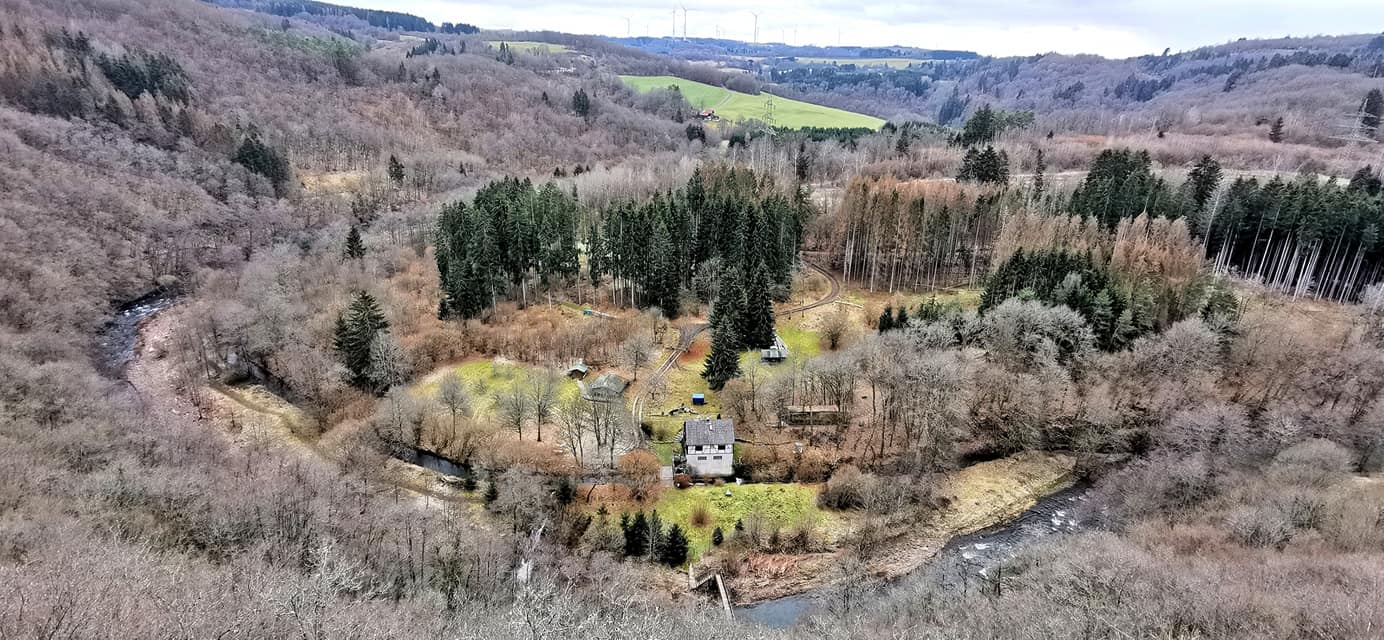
(1264, 526)
(1318, 462)
(848, 488)
(701, 515)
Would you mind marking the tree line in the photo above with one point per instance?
(512, 233)
(1301, 236)
(724, 225)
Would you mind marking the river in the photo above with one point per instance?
(118, 340)
(964, 561)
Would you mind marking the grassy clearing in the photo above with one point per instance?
(485, 379)
(967, 298)
(782, 505)
(528, 46)
(736, 107)
(686, 379)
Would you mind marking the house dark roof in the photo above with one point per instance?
(704, 431)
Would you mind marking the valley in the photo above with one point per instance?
(322, 321)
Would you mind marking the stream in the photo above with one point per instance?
(963, 561)
(434, 462)
(117, 342)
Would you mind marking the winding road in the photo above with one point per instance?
(689, 332)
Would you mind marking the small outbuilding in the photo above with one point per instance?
(607, 387)
(708, 447)
(577, 370)
(776, 353)
(698, 399)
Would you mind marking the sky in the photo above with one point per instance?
(1112, 28)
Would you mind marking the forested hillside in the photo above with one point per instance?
(408, 318)
(1236, 88)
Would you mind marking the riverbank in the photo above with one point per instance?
(980, 496)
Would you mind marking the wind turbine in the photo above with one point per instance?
(684, 23)
(675, 23)
(756, 26)
(627, 26)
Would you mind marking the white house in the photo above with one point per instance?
(708, 446)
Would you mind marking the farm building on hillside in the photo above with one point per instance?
(607, 387)
(708, 447)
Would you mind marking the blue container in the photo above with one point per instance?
(698, 398)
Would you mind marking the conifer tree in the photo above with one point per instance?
(396, 170)
(581, 103)
(1203, 180)
(355, 248)
(756, 324)
(724, 361)
(1276, 130)
(1039, 166)
(674, 549)
(636, 536)
(356, 329)
(262, 159)
(717, 537)
(886, 320)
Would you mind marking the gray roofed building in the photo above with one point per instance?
(703, 431)
(607, 387)
(777, 353)
(708, 447)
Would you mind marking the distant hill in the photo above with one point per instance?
(388, 20)
(721, 49)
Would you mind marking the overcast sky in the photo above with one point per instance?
(1115, 28)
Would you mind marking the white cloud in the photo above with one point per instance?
(1115, 28)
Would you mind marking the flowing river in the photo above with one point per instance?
(964, 560)
(118, 341)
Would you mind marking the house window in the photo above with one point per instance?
(715, 457)
(701, 458)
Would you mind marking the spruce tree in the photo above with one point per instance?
(396, 170)
(717, 537)
(901, 321)
(674, 549)
(724, 361)
(636, 536)
(1039, 166)
(262, 159)
(355, 248)
(581, 103)
(492, 490)
(1203, 180)
(886, 320)
(356, 329)
(1276, 131)
(757, 314)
